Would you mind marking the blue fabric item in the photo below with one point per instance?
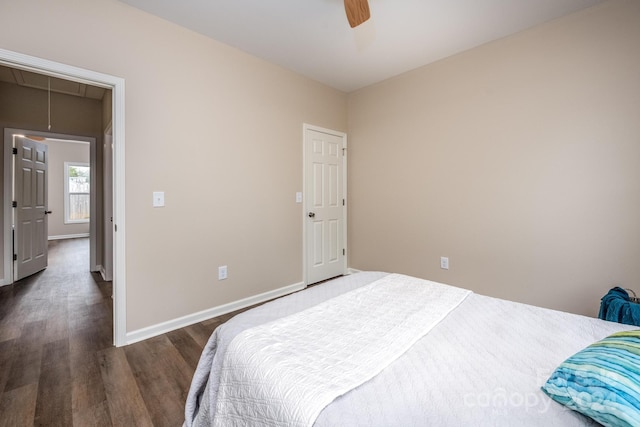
(616, 306)
(602, 381)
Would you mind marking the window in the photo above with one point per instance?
(77, 186)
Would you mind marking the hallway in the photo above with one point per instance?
(57, 362)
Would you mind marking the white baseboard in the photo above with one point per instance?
(68, 236)
(190, 319)
(352, 271)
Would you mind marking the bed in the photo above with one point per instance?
(480, 361)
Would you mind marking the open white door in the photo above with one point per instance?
(30, 213)
(325, 228)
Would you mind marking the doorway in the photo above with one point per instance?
(116, 84)
(30, 237)
(325, 207)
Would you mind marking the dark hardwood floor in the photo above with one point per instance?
(58, 366)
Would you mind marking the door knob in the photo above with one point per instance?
(312, 214)
(47, 212)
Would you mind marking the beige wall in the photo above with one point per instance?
(216, 129)
(519, 160)
(59, 153)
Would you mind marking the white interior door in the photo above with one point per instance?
(324, 205)
(30, 195)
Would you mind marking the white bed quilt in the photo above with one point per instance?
(482, 365)
(285, 372)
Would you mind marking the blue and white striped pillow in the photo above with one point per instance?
(602, 381)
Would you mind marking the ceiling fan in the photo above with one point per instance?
(357, 11)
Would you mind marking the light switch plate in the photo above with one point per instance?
(158, 199)
(299, 197)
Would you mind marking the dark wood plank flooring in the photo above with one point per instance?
(58, 366)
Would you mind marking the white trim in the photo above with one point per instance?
(117, 85)
(342, 135)
(93, 206)
(68, 236)
(353, 271)
(190, 319)
(106, 269)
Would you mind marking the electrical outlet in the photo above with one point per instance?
(222, 272)
(158, 199)
(444, 263)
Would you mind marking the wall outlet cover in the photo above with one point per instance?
(158, 199)
(222, 272)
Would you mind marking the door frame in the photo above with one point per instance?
(343, 136)
(9, 177)
(117, 86)
(106, 268)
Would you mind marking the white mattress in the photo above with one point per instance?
(482, 365)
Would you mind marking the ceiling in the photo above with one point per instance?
(313, 37)
(41, 81)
